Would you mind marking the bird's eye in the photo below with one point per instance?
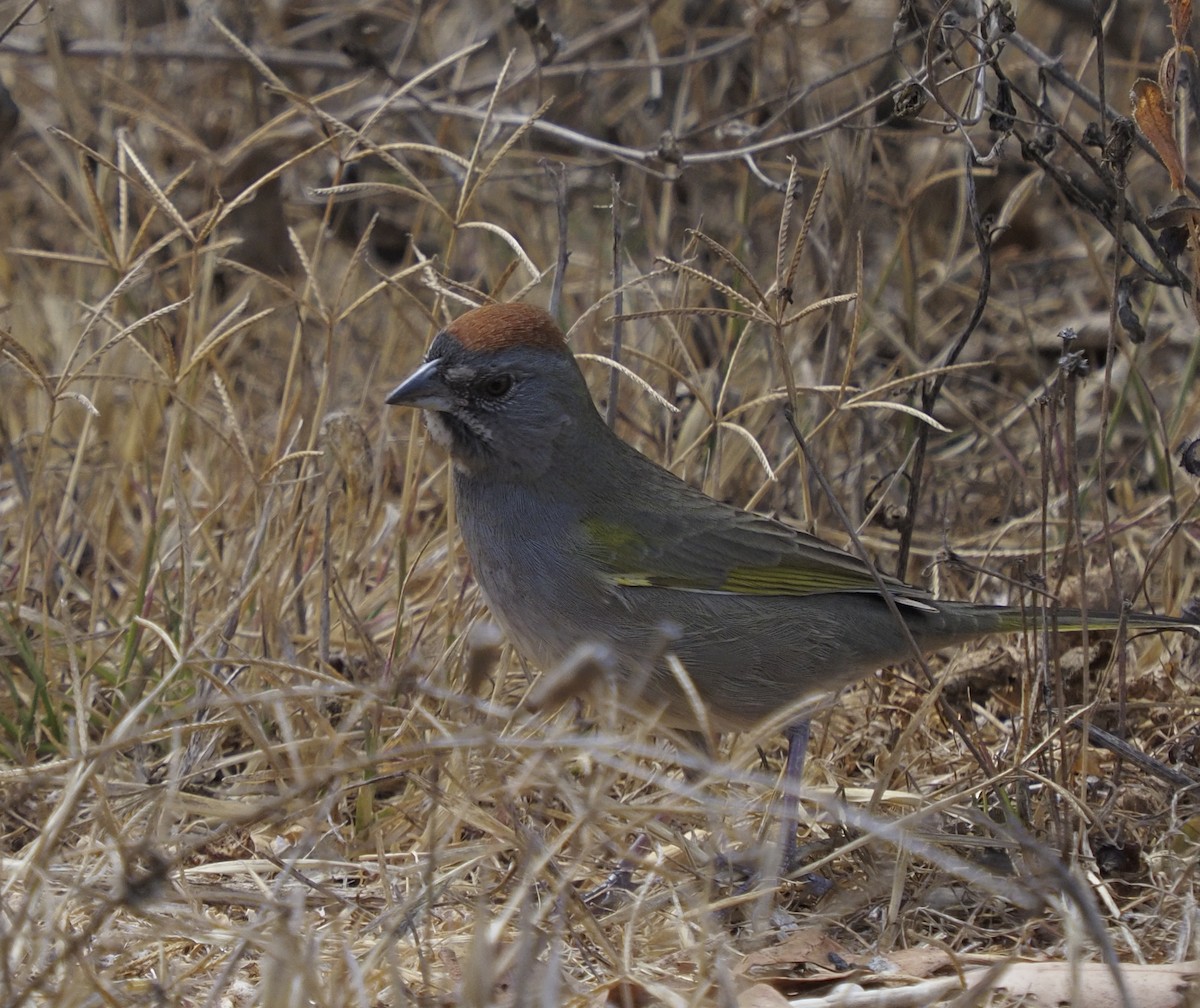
(494, 386)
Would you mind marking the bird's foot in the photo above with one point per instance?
(608, 893)
(741, 876)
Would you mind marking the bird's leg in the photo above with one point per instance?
(620, 879)
(789, 813)
(789, 816)
(788, 851)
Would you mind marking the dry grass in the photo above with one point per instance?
(253, 751)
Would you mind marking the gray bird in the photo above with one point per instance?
(575, 537)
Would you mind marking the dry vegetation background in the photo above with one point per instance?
(253, 750)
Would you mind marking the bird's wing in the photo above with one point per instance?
(700, 544)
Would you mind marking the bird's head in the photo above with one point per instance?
(501, 392)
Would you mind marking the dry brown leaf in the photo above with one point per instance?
(923, 961)
(1167, 80)
(1053, 983)
(1157, 126)
(627, 993)
(809, 946)
(1179, 212)
(761, 996)
(1181, 18)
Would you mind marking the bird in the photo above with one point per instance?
(576, 538)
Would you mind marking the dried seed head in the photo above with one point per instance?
(578, 671)
(483, 654)
(348, 455)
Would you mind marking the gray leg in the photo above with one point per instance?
(789, 812)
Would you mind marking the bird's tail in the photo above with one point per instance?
(1013, 620)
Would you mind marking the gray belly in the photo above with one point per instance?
(748, 657)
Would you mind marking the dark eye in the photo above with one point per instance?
(494, 386)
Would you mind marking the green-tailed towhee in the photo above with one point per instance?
(576, 537)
